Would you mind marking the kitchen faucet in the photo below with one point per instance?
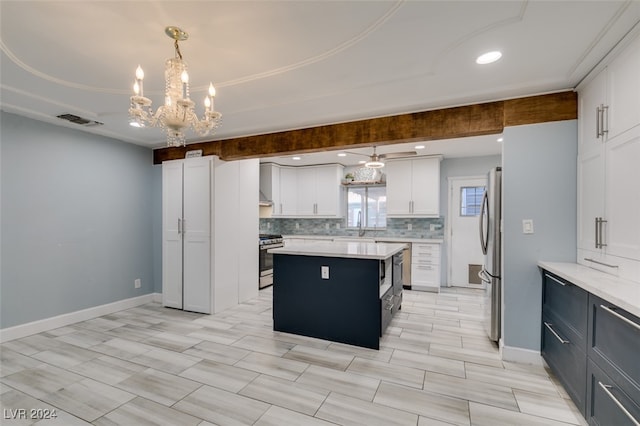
(360, 229)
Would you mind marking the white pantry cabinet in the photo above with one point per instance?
(413, 187)
(608, 171)
(210, 233)
(186, 249)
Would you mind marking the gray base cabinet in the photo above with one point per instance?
(593, 347)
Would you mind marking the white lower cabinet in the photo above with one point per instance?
(210, 233)
(425, 267)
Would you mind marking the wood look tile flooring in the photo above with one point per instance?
(157, 366)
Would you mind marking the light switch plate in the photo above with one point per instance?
(527, 226)
(324, 272)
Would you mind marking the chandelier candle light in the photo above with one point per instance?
(177, 114)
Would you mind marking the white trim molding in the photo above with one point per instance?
(521, 356)
(23, 330)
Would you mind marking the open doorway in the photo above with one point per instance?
(465, 255)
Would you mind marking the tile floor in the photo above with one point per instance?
(156, 366)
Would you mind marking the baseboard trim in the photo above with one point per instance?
(521, 356)
(157, 297)
(23, 330)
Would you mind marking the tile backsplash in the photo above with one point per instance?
(396, 227)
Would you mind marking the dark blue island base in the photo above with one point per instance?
(347, 307)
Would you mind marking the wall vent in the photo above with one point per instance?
(79, 120)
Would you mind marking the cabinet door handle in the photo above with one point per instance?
(605, 116)
(597, 122)
(389, 307)
(615, 314)
(179, 226)
(606, 390)
(184, 226)
(597, 221)
(549, 326)
(602, 244)
(555, 279)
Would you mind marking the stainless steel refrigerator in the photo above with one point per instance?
(491, 241)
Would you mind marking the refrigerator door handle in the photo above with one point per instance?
(484, 276)
(484, 231)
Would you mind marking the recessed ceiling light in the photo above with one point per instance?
(296, 158)
(419, 147)
(500, 139)
(342, 154)
(362, 162)
(489, 57)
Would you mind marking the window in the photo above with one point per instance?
(367, 203)
(470, 200)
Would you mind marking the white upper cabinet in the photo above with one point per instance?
(288, 192)
(413, 187)
(608, 166)
(303, 191)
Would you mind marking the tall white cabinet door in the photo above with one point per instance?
(171, 234)
(622, 230)
(196, 230)
(399, 175)
(590, 197)
(426, 187)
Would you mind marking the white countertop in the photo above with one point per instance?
(366, 238)
(353, 250)
(624, 293)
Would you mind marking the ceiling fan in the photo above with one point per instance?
(375, 160)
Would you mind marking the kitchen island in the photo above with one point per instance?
(345, 292)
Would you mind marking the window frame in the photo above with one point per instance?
(365, 210)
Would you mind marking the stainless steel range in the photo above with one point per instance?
(266, 242)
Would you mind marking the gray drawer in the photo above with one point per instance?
(614, 343)
(608, 403)
(568, 304)
(568, 361)
(387, 306)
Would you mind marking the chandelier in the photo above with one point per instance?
(177, 114)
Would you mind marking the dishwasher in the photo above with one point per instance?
(406, 267)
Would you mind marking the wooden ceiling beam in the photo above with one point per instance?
(447, 123)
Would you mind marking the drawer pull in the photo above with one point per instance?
(608, 265)
(614, 313)
(555, 279)
(549, 326)
(618, 403)
(390, 307)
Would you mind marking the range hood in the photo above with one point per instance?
(263, 201)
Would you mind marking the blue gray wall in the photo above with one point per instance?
(539, 183)
(459, 167)
(80, 219)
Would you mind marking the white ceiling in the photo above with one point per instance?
(280, 65)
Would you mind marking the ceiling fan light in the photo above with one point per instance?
(374, 164)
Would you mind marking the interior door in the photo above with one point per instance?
(465, 253)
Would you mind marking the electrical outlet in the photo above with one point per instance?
(432, 227)
(527, 226)
(268, 225)
(337, 226)
(324, 272)
(297, 225)
(409, 226)
(326, 226)
(137, 283)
